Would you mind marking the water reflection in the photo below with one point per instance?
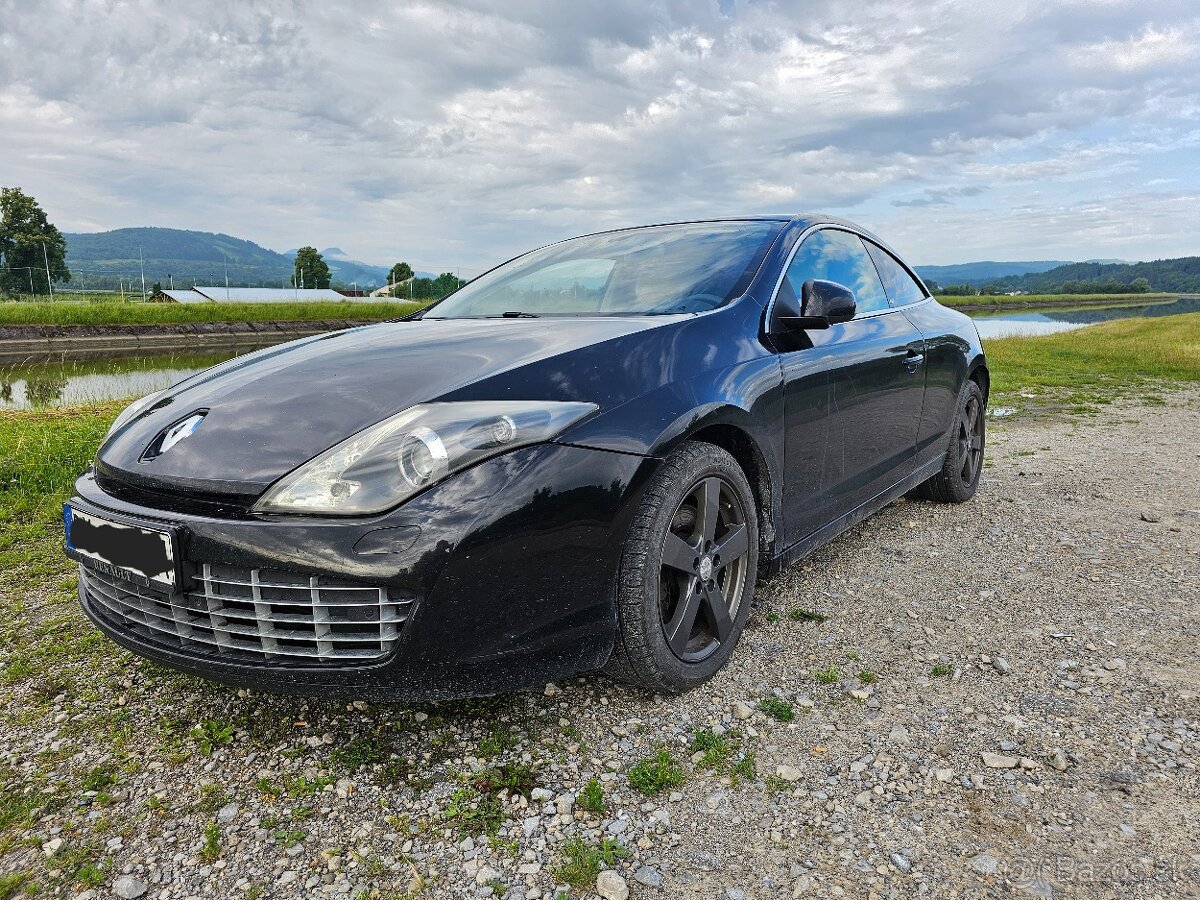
(70, 383)
(1029, 322)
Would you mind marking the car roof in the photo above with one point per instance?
(801, 221)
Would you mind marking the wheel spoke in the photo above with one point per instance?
(679, 629)
(718, 612)
(708, 503)
(733, 546)
(679, 554)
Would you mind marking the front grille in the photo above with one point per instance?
(258, 615)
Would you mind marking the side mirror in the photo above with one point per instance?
(823, 303)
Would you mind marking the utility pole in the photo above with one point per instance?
(226, 279)
(142, 266)
(46, 259)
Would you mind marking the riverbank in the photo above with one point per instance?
(49, 343)
(1056, 301)
(1076, 370)
(67, 313)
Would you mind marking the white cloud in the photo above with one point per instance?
(457, 133)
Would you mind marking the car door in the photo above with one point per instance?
(945, 351)
(853, 391)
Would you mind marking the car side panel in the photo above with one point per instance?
(951, 345)
(716, 373)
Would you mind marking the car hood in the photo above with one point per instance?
(269, 411)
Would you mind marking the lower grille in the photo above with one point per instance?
(258, 615)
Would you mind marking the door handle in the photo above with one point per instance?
(913, 359)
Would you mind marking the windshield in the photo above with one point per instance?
(644, 271)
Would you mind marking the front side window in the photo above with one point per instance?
(839, 256)
(902, 289)
(659, 270)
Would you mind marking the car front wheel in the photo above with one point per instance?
(687, 572)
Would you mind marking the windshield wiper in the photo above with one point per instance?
(517, 314)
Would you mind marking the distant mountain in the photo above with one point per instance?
(979, 272)
(103, 259)
(1180, 275)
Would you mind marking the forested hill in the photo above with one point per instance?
(1172, 275)
(192, 257)
(986, 270)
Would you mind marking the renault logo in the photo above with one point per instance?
(174, 434)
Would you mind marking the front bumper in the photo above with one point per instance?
(511, 574)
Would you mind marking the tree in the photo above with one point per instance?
(401, 271)
(1140, 285)
(29, 245)
(311, 270)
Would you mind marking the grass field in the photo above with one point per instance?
(41, 453)
(104, 310)
(68, 313)
(1098, 363)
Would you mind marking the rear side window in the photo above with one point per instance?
(902, 289)
(838, 256)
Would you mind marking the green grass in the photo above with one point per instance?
(211, 735)
(591, 798)
(70, 313)
(1064, 300)
(941, 670)
(469, 811)
(41, 453)
(777, 709)
(12, 883)
(828, 675)
(579, 863)
(656, 773)
(1109, 359)
(212, 843)
(806, 615)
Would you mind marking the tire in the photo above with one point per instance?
(959, 478)
(672, 569)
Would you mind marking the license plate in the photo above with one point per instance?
(139, 553)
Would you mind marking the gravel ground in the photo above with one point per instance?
(995, 699)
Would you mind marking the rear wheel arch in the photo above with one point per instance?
(978, 373)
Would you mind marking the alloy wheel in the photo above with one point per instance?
(703, 574)
(970, 440)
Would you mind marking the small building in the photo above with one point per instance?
(180, 296)
(208, 294)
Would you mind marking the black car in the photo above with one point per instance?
(581, 460)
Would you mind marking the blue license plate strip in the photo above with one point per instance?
(143, 554)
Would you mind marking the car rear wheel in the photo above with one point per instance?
(960, 473)
(687, 572)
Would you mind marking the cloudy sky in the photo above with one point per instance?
(454, 134)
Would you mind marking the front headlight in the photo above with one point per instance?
(131, 411)
(384, 465)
